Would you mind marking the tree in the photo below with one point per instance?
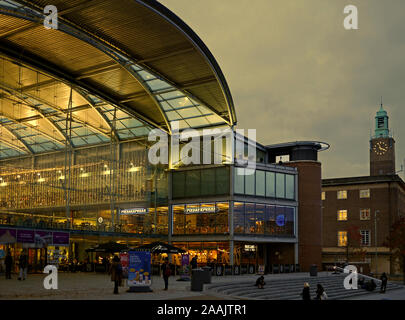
(396, 242)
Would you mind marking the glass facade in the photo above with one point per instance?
(85, 190)
(261, 219)
(264, 184)
(204, 218)
(200, 182)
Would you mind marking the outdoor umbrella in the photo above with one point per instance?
(160, 247)
(109, 247)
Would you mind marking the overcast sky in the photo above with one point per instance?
(295, 73)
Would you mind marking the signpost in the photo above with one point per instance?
(139, 271)
(185, 268)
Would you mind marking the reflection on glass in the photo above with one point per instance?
(239, 181)
(260, 218)
(250, 184)
(270, 184)
(178, 219)
(289, 186)
(238, 217)
(260, 183)
(250, 219)
(280, 185)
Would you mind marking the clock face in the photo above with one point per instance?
(380, 148)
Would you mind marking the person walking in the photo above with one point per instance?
(384, 280)
(166, 272)
(116, 273)
(320, 293)
(23, 265)
(9, 263)
(306, 295)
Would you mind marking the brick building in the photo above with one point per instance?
(359, 211)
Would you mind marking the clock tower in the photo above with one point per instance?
(382, 146)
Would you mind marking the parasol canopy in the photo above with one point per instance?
(160, 247)
(109, 247)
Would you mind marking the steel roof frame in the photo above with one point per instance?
(116, 54)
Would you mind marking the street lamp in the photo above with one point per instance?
(375, 240)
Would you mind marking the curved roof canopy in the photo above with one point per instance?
(112, 70)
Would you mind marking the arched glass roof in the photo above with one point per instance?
(114, 70)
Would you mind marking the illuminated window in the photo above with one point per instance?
(342, 194)
(342, 215)
(342, 238)
(364, 214)
(365, 193)
(365, 237)
(323, 195)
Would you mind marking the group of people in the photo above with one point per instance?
(320, 293)
(370, 285)
(22, 265)
(116, 272)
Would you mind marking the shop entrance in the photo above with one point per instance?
(37, 259)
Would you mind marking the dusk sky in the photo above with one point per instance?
(295, 73)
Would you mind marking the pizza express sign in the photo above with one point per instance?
(134, 211)
(210, 209)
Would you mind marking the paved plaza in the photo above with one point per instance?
(95, 286)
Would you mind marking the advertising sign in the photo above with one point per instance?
(8, 236)
(134, 211)
(42, 238)
(185, 267)
(139, 269)
(260, 269)
(25, 236)
(124, 263)
(60, 238)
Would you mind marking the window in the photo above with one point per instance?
(342, 238)
(342, 215)
(323, 195)
(270, 184)
(239, 186)
(365, 237)
(280, 185)
(289, 186)
(365, 193)
(364, 214)
(260, 183)
(250, 183)
(238, 217)
(342, 194)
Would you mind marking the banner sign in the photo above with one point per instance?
(185, 267)
(193, 209)
(43, 238)
(8, 235)
(60, 238)
(134, 211)
(260, 269)
(139, 269)
(25, 236)
(124, 263)
(39, 238)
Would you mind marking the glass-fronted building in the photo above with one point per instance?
(75, 116)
